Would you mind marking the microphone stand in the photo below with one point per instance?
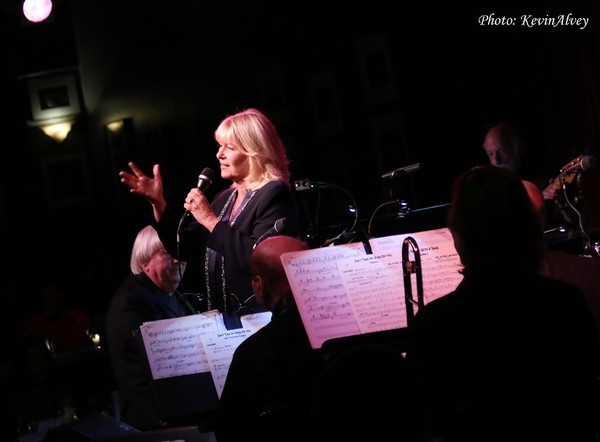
(178, 252)
(347, 233)
(588, 248)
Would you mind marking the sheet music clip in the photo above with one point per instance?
(232, 320)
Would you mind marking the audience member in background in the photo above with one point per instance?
(505, 148)
(220, 235)
(368, 393)
(273, 372)
(33, 388)
(61, 325)
(149, 293)
(55, 324)
(509, 355)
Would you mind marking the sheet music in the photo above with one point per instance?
(219, 349)
(319, 291)
(375, 288)
(440, 263)
(256, 321)
(175, 347)
(341, 291)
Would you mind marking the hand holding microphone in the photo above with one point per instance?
(196, 202)
(205, 178)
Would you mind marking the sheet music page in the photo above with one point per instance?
(173, 346)
(178, 346)
(375, 288)
(319, 291)
(219, 349)
(256, 321)
(440, 262)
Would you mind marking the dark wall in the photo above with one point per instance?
(354, 90)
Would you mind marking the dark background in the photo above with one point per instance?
(355, 91)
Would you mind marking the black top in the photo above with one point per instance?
(232, 240)
(270, 382)
(137, 300)
(508, 359)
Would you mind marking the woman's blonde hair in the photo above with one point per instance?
(256, 137)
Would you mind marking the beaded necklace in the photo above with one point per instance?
(221, 260)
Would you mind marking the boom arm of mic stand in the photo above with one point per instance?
(409, 267)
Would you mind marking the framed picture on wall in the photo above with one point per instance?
(391, 152)
(272, 90)
(376, 69)
(54, 96)
(66, 179)
(326, 108)
(3, 212)
(389, 141)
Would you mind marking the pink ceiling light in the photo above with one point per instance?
(37, 10)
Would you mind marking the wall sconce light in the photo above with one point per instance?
(58, 131)
(115, 126)
(120, 141)
(37, 10)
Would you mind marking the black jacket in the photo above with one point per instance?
(234, 243)
(270, 383)
(137, 300)
(513, 358)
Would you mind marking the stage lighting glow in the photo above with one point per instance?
(37, 10)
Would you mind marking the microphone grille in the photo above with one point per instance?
(588, 162)
(280, 225)
(208, 174)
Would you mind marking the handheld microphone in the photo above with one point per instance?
(205, 178)
(280, 225)
(581, 163)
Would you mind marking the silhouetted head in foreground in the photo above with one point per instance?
(493, 223)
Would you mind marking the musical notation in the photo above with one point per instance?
(341, 291)
(375, 290)
(319, 291)
(219, 349)
(440, 263)
(195, 344)
(173, 346)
